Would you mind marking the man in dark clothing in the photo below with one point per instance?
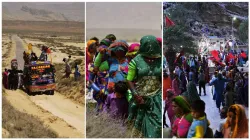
(202, 82)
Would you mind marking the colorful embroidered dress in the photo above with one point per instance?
(101, 78)
(118, 69)
(147, 77)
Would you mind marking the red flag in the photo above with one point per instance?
(216, 61)
(48, 50)
(169, 22)
(215, 54)
(231, 56)
(243, 55)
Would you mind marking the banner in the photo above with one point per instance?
(169, 22)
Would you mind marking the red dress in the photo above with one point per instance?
(166, 85)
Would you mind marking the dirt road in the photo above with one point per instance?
(64, 108)
(19, 51)
(60, 114)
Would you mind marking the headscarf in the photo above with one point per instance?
(111, 37)
(150, 47)
(241, 122)
(90, 42)
(182, 103)
(159, 40)
(105, 42)
(133, 49)
(89, 55)
(118, 45)
(191, 94)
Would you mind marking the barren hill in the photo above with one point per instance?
(43, 11)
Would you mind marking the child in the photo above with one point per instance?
(76, 73)
(116, 103)
(200, 123)
(223, 116)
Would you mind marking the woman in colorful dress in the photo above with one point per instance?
(183, 116)
(144, 80)
(101, 68)
(91, 51)
(236, 125)
(176, 85)
(118, 63)
(167, 84)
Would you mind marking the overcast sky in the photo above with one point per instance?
(146, 15)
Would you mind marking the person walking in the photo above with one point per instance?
(202, 82)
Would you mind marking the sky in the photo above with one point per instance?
(73, 10)
(125, 15)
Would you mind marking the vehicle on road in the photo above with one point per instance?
(39, 76)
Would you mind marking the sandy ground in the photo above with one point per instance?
(24, 103)
(8, 50)
(58, 113)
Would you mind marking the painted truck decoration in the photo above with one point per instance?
(39, 76)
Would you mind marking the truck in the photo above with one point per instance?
(39, 76)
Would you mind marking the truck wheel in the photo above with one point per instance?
(52, 92)
(29, 92)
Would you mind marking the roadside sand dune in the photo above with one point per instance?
(24, 103)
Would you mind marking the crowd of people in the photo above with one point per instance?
(126, 82)
(186, 110)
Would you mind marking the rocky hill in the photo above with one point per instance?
(209, 18)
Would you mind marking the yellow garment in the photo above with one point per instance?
(90, 42)
(199, 132)
(198, 128)
(131, 53)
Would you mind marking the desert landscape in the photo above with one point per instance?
(48, 116)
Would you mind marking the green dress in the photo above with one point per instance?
(147, 118)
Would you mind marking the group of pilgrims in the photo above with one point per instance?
(126, 82)
(184, 107)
